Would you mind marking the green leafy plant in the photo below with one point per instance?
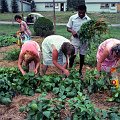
(12, 55)
(82, 108)
(43, 27)
(7, 40)
(95, 85)
(115, 94)
(92, 29)
(43, 108)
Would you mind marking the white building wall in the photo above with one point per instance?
(93, 7)
(26, 7)
(41, 7)
(96, 8)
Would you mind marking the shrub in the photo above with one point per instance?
(43, 27)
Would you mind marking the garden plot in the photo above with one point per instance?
(54, 99)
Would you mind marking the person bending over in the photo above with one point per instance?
(56, 51)
(108, 55)
(30, 55)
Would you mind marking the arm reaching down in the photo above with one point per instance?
(20, 60)
(55, 58)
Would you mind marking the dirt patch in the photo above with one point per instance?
(100, 100)
(3, 50)
(12, 112)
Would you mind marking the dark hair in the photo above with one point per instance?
(68, 48)
(82, 7)
(116, 49)
(17, 17)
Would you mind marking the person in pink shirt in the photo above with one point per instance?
(108, 55)
(29, 55)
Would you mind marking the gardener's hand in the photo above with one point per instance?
(74, 33)
(35, 71)
(18, 32)
(66, 72)
(23, 72)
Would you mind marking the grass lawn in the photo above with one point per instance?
(113, 32)
(62, 17)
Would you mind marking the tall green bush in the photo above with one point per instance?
(43, 27)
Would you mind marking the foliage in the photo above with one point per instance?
(12, 55)
(91, 30)
(43, 108)
(82, 108)
(12, 83)
(96, 85)
(90, 58)
(7, 40)
(115, 94)
(14, 5)
(70, 91)
(74, 3)
(43, 27)
(4, 6)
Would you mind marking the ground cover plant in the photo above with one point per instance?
(6, 40)
(12, 55)
(70, 91)
(70, 98)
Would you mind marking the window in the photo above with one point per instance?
(50, 5)
(56, 5)
(113, 5)
(104, 6)
(46, 5)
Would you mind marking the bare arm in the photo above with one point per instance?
(74, 33)
(37, 64)
(55, 58)
(20, 60)
(102, 58)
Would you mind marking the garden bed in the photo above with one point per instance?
(11, 112)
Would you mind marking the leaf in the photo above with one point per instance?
(104, 114)
(110, 99)
(114, 116)
(68, 89)
(63, 97)
(75, 117)
(47, 114)
(39, 116)
(117, 94)
(55, 90)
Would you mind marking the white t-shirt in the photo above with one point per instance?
(47, 49)
(75, 22)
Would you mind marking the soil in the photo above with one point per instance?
(12, 112)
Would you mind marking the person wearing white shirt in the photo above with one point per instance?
(73, 26)
(56, 51)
